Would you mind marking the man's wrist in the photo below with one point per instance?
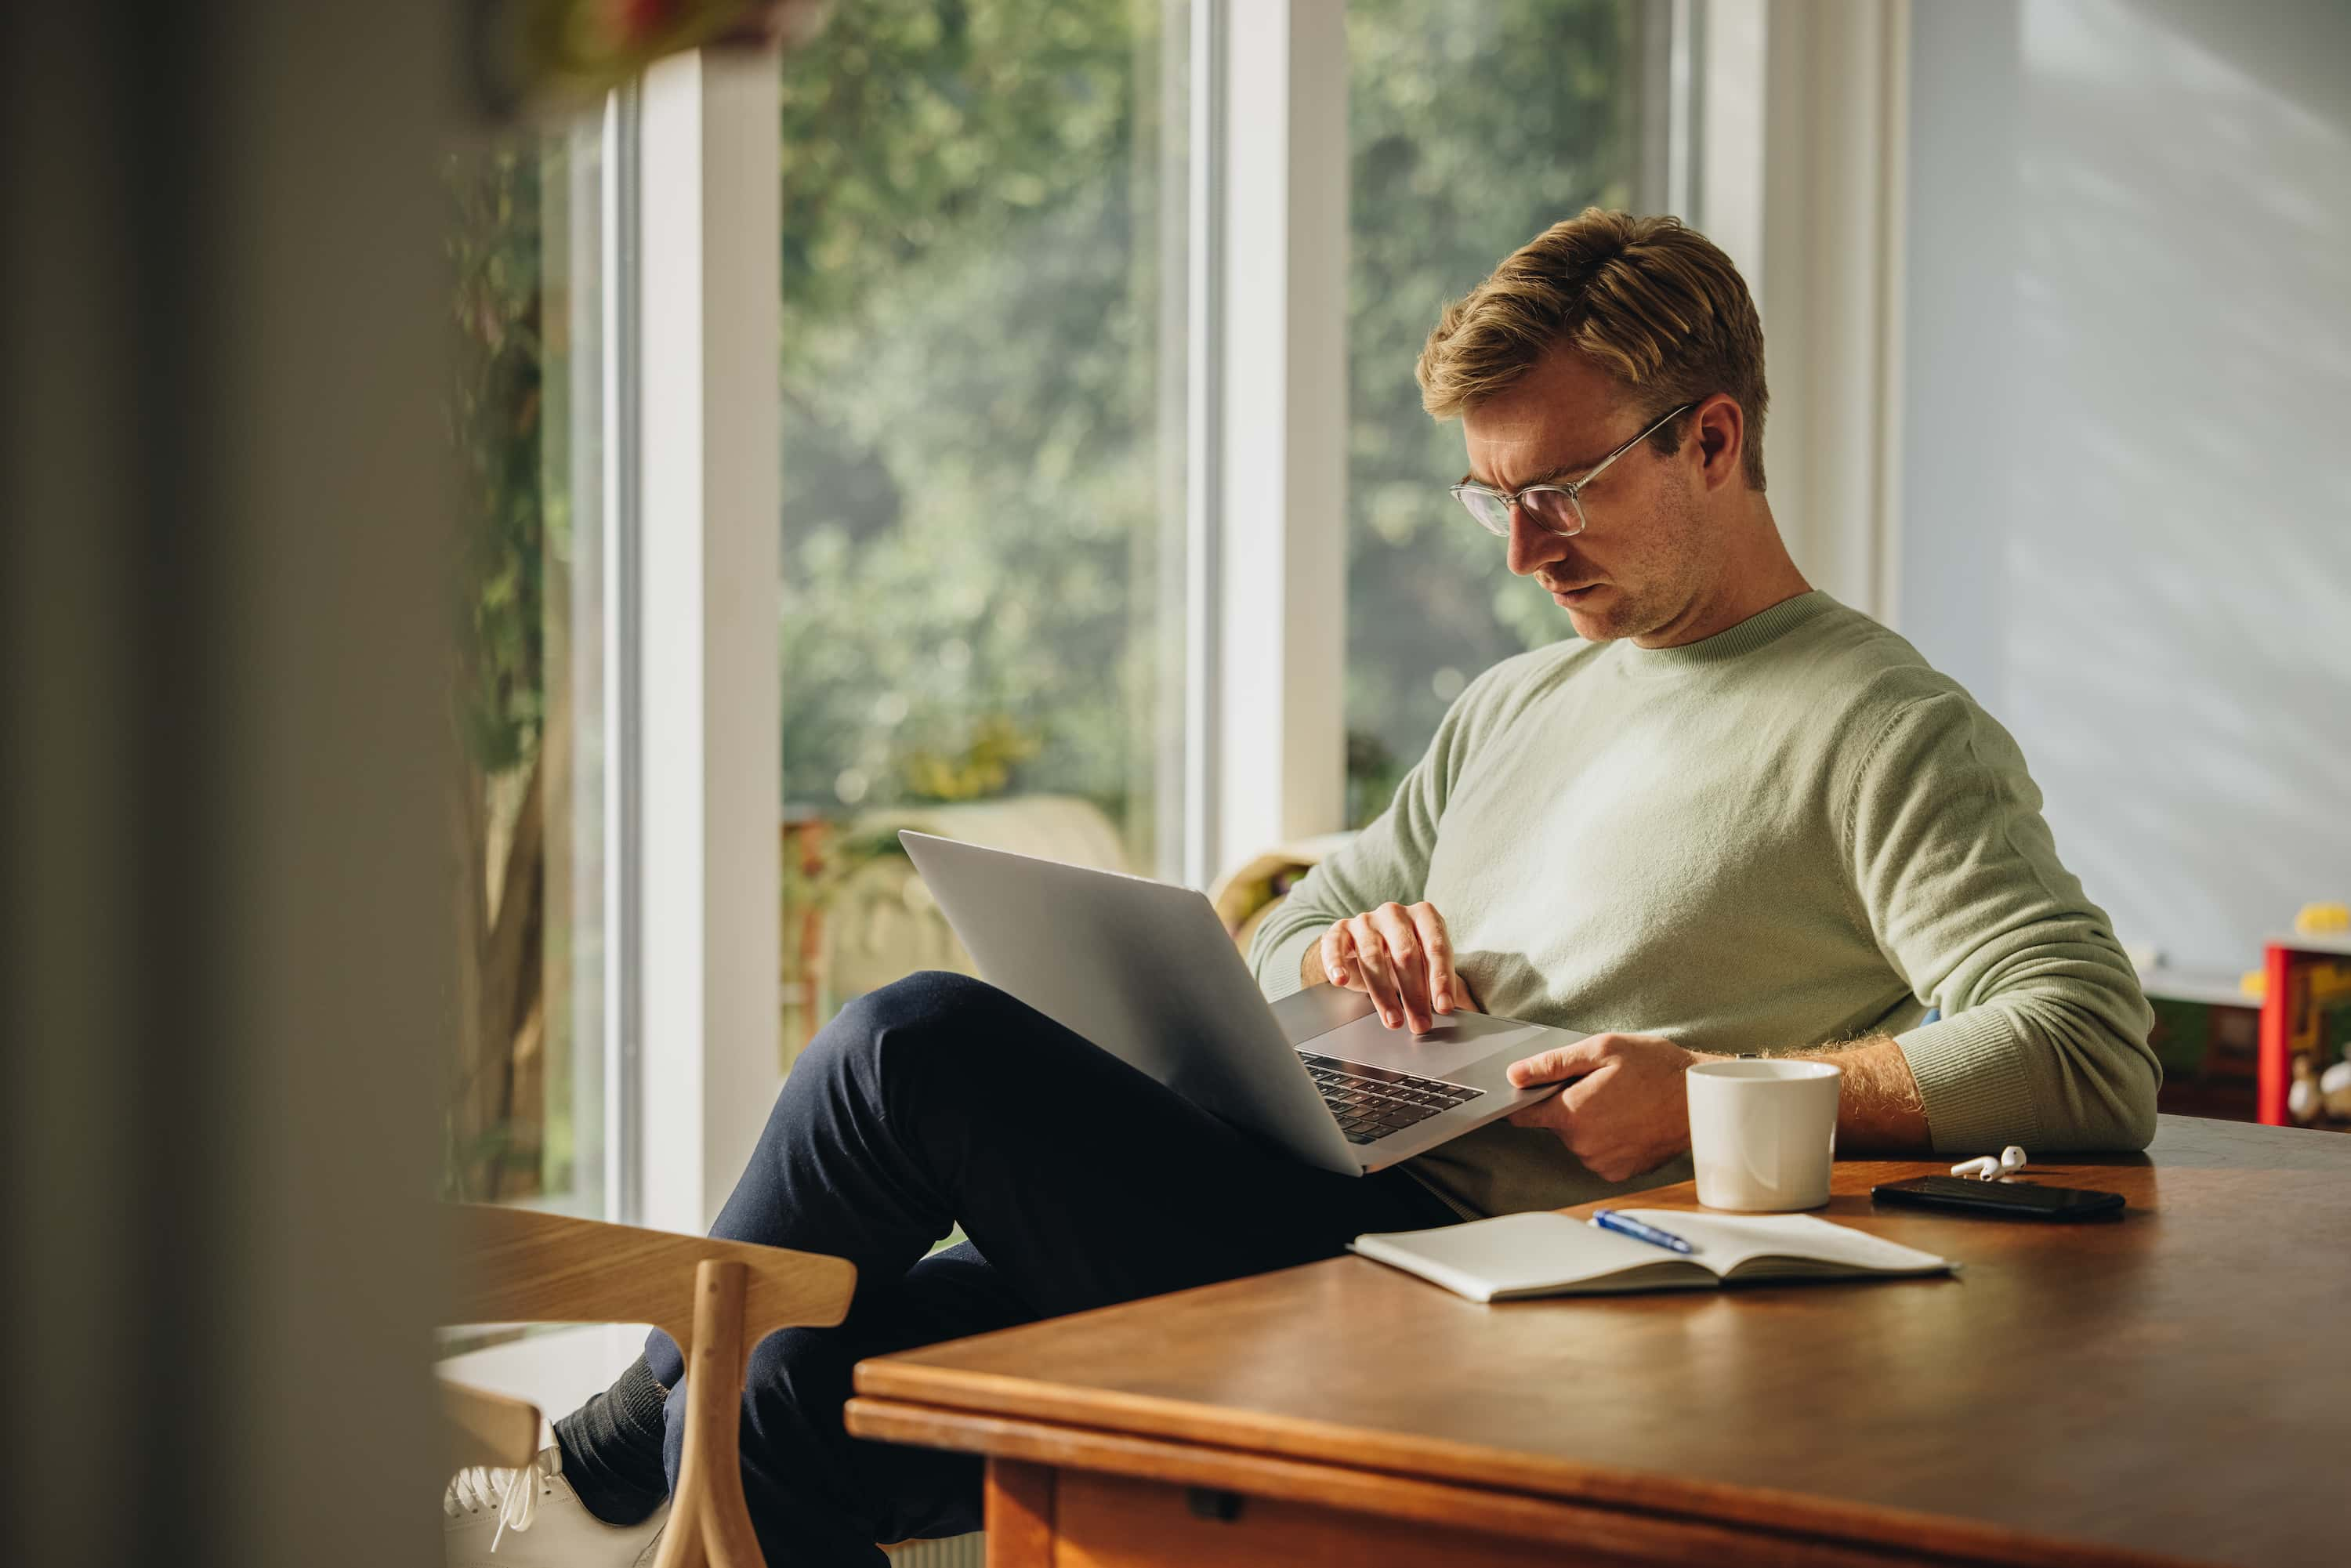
(1310, 963)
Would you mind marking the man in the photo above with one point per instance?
(1733, 816)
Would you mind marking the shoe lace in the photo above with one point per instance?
(513, 1492)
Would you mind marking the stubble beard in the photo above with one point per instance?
(1666, 582)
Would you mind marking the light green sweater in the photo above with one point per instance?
(1789, 834)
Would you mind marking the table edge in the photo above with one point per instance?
(996, 1416)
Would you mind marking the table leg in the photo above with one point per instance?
(1019, 1504)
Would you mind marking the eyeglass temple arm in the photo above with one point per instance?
(1575, 487)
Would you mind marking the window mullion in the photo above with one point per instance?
(624, 638)
(1276, 760)
(707, 411)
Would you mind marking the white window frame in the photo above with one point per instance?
(703, 748)
(623, 699)
(1804, 155)
(693, 771)
(1264, 732)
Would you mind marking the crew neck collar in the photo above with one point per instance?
(1757, 631)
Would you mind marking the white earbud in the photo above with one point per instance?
(1991, 1168)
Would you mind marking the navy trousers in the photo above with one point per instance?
(1079, 1182)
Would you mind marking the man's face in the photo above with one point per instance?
(1641, 559)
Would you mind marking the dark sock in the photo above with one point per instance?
(613, 1448)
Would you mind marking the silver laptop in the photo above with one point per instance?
(1145, 971)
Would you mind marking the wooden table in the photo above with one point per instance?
(2170, 1388)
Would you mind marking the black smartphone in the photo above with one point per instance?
(2010, 1201)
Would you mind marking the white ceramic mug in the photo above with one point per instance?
(1763, 1132)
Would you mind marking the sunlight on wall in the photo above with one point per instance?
(2128, 519)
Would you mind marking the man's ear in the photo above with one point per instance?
(1720, 425)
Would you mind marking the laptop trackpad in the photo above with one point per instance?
(1453, 1042)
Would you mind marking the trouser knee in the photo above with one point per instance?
(926, 999)
(933, 1014)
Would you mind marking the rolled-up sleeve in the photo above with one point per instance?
(2043, 1037)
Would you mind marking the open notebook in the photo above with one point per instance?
(1544, 1254)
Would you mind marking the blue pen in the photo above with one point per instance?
(1609, 1219)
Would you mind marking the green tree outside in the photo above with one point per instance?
(975, 452)
(1472, 128)
(969, 371)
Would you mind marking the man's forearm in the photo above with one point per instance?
(1626, 1106)
(1878, 1107)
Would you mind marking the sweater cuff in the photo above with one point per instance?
(1278, 976)
(1973, 1081)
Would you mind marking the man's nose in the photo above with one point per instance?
(1532, 546)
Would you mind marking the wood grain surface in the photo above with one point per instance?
(479, 1427)
(516, 1266)
(2157, 1389)
(1382, 1504)
(1112, 1522)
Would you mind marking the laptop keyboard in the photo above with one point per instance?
(1370, 1102)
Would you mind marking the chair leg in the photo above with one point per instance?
(709, 1522)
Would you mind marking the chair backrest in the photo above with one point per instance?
(716, 1299)
(485, 1429)
(520, 1267)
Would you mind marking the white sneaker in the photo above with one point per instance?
(531, 1517)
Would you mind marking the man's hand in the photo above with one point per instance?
(1626, 1112)
(1401, 957)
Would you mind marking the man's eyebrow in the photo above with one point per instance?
(1548, 477)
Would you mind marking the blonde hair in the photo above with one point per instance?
(1651, 301)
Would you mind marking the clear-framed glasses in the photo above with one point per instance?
(1556, 506)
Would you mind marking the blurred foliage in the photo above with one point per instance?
(970, 425)
(1473, 127)
(970, 369)
(984, 767)
(492, 242)
(496, 1126)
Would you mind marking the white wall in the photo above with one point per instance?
(2127, 495)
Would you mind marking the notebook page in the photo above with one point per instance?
(1524, 1254)
(1726, 1240)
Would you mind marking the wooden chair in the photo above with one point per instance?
(483, 1429)
(716, 1299)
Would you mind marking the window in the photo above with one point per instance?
(1472, 129)
(983, 261)
(524, 1081)
(981, 477)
